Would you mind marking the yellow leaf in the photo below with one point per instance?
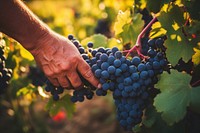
(196, 56)
(156, 25)
(175, 26)
(25, 54)
(113, 42)
(157, 30)
(122, 19)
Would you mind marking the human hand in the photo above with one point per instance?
(61, 61)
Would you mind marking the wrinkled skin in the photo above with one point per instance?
(54, 54)
(61, 62)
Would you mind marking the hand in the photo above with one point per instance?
(56, 56)
(61, 61)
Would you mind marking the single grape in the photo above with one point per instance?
(136, 61)
(114, 49)
(105, 74)
(90, 45)
(111, 69)
(104, 66)
(117, 63)
(103, 57)
(141, 67)
(118, 54)
(70, 37)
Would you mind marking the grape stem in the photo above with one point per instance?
(137, 46)
(195, 83)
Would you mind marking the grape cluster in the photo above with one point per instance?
(55, 91)
(5, 73)
(131, 95)
(37, 76)
(87, 91)
(128, 79)
(103, 27)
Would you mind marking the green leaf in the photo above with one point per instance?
(99, 40)
(68, 105)
(128, 26)
(178, 49)
(193, 8)
(127, 35)
(55, 106)
(113, 42)
(155, 7)
(155, 124)
(132, 30)
(26, 90)
(157, 30)
(102, 41)
(150, 117)
(174, 97)
(49, 104)
(178, 45)
(137, 128)
(123, 18)
(195, 99)
(194, 28)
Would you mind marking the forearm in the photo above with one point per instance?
(55, 55)
(18, 22)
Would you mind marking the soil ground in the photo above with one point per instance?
(96, 116)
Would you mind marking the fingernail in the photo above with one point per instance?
(99, 86)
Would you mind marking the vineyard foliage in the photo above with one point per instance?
(177, 91)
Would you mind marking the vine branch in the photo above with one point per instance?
(195, 83)
(137, 46)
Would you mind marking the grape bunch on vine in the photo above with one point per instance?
(150, 65)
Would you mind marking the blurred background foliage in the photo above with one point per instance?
(22, 108)
(26, 108)
(79, 17)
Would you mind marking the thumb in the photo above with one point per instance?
(85, 70)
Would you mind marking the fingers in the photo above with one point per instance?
(74, 79)
(67, 74)
(86, 72)
(64, 82)
(54, 81)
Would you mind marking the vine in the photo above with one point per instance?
(172, 99)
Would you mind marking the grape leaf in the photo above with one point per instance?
(54, 106)
(155, 7)
(178, 46)
(174, 97)
(128, 34)
(123, 18)
(128, 30)
(194, 28)
(153, 123)
(132, 30)
(99, 40)
(150, 117)
(26, 90)
(157, 30)
(193, 8)
(176, 50)
(113, 42)
(195, 99)
(25, 54)
(196, 57)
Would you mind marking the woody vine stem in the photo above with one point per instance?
(137, 46)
